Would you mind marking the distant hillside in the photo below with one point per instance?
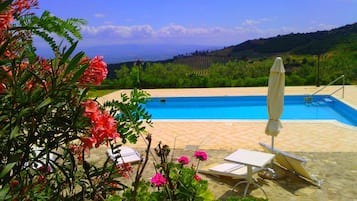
(315, 43)
(301, 43)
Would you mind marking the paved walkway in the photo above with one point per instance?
(304, 136)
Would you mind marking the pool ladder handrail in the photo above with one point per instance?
(309, 99)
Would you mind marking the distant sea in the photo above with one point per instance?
(132, 52)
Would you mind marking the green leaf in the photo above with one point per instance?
(44, 103)
(68, 53)
(79, 73)
(74, 62)
(14, 133)
(7, 169)
(4, 193)
(5, 4)
(3, 47)
(24, 112)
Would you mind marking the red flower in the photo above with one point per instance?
(5, 20)
(45, 169)
(104, 125)
(2, 87)
(14, 183)
(91, 109)
(46, 66)
(124, 170)
(88, 142)
(7, 70)
(20, 6)
(95, 73)
(41, 178)
(77, 150)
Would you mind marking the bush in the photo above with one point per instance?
(47, 123)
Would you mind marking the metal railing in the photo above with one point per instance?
(310, 98)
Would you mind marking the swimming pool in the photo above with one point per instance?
(250, 108)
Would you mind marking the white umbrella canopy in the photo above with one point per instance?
(275, 98)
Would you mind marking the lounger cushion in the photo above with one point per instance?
(127, 155)
(234, 170)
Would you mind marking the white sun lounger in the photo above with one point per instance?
(127, 155)
(41, 160)
(233, 170)
(244, 163)
(292, 163)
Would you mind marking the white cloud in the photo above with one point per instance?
(315, 26)
(99, 15)
(173, 33)
(253, 22)
(250, 22)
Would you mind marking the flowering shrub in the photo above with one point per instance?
(173, 181)
(47, 123)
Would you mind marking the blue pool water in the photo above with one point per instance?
(250, 107)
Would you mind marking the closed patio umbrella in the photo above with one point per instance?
(275, 98)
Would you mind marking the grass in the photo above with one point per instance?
(98, 93)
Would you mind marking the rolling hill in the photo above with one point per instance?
(342, 40)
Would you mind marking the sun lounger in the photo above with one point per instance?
(39, 161)
(292, 163)
(233, 170)
(126, 155)
(243, 164)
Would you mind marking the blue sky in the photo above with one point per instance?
(203, 22)
(212, 23)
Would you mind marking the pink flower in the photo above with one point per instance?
(158, 180)
(197, 178)
(201, 155)
(183, 160)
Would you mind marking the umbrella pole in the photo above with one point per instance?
(272, 150)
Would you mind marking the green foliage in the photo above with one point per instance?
(182, 182)
(46, 25)
(248, 63)
(132, 114)
(300, 70)
(143, 193)
(42, 119)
